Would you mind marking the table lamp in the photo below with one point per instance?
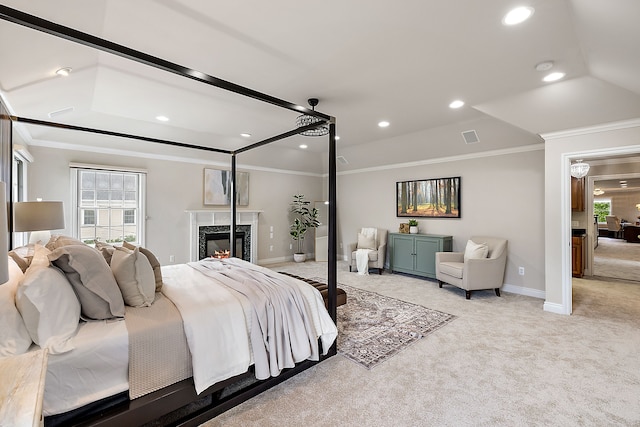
(39, 218)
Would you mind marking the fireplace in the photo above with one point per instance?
(214, 241)
(210, 221)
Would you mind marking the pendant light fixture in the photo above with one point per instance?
(579, 169)
(305, 120)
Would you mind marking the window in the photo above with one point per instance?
(601, 209)
(108, 204)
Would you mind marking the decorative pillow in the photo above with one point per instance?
(58, 241)
(106, 250)
(475, 250)
(153, 260)
(14, 336)
(48, 305)
(92, 279)
(134, 276)
(366, 242)
(23, 256)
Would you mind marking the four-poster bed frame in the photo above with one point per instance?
(171, 398)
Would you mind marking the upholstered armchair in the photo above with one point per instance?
(376, 254)
(614, 227)
(480, 266)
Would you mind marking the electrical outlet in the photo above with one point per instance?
(271, 248)
(172, 258)
(271, 235)
(521, 271)
(290, 245)
(575, 223)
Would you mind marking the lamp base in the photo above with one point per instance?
(42, 237)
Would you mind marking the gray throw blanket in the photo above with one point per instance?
(280, 327)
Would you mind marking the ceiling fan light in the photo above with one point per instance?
(306, 120)
(579, 169)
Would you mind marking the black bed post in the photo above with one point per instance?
(332, 274)
(232, 198)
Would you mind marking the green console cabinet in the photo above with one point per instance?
(416, 253)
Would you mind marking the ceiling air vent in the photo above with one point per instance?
(470, 136)
(342, 160)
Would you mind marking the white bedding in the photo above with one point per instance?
(217, 323)
(95, 369)
(218, 292)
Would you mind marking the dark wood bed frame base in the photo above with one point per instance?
(158, 407)
(170, 399)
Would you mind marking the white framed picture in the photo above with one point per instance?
(217, 187)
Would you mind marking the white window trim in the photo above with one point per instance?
(142, 186)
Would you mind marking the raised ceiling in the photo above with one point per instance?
(366, 61)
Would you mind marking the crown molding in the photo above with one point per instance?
(606, 127)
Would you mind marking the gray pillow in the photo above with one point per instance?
(92, 280)
(153, 260)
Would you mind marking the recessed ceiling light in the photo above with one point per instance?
(303, 146)
(456, 104)
(162, 118)
(517, 15)
(245, 135)
(552, 77)
(64, 72)
(544, 66)
(383, 124)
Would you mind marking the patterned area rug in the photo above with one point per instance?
(374, 327)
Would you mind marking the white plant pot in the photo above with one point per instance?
(299, 257)
(413, 229)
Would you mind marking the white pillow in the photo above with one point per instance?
(366, 242)
(14, 336)
(135, 277)
(475, 250)
(48, 304)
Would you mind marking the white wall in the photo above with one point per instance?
(560, 149)
(502, 195)
(172, 188)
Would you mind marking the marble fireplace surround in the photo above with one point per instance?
(220, 217)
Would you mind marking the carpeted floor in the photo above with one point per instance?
(617, 259)
(503, 362)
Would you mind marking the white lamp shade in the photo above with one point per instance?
(38, 216)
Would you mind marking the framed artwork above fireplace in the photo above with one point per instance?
(217, 187)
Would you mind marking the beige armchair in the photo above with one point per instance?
(474, 273)
(614, 227)
(376, 256)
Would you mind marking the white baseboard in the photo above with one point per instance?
(521, 290)
(553, 307)
(278, 260)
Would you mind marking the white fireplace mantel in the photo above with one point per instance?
(203, 217)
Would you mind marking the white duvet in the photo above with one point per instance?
(231, 322)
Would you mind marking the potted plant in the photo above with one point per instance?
(304, 219)
(413, 226)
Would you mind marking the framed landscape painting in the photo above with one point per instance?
(217, 187)
(428, 198)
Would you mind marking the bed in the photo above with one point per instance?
(109, 403)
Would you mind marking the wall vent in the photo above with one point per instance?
(470, 136)
(342, 160)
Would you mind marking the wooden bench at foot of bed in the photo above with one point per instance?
(341, 295)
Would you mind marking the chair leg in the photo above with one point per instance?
(440, 283)
(349, 269)
(468, 294)
(497, 291)
(380, 270)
